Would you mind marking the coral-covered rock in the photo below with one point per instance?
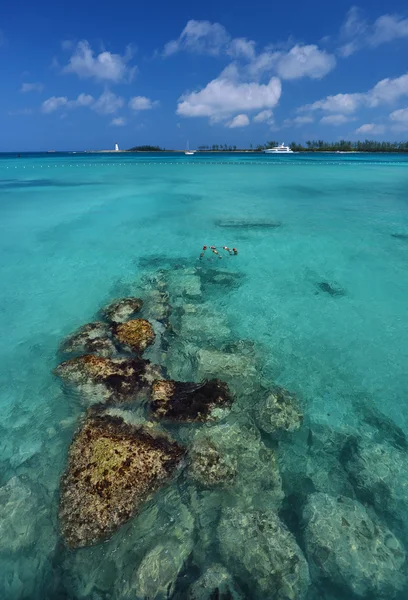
(208, 467)
(101, 379)
(260, 551)
(215, 583)
(346, 547)
(189, 402)
(121, 310)
(279, 414)
(137, 334)
(113, 468)
(93, 338)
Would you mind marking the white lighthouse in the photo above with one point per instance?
(116, 147)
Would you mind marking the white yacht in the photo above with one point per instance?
(188, 151)
(281, 149)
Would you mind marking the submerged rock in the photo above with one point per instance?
(333, 289)
(108, 379)
(24, 517)
(261, 552)
(215, 584)
(346, 547)
(113, 468)
(239, 370)
(157, 574)
(137, 334)
(209, 467)
(380, 477)
(121, 310)
(93, 338)
(247, 224)
(279, 414)
(189, 402)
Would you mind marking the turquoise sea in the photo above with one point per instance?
(319, 293)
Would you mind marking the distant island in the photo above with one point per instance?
(146, 149)
(309, 146)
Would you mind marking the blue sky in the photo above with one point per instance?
(84, 75)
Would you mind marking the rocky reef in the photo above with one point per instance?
(267, 490)
(279, 414)
(189, 402)
(349, 549)
(135, 335)
(209, 467)
(121, 310)
(103, 379)
(113, 468)
(93, 338)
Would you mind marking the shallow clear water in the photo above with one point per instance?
(323, 294)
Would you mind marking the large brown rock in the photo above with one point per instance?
(100, 379)
(121, 310)
(113, 468)
(137, 334)
(189, 402)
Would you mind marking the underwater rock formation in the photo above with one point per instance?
(215, 584)
(279, 414)
(101, 379)
(24, 518)
(380, 477)
(157, 574)
(333, 289)
(400, 236)
(260, 551)
(199, 324)
(121, 310)
(208, 467)
(113, 468)
(311, 462)
(157, 306)
(247, 224)
(239, 370)
(184, 283)
(189, 402)
(136, 335)
(93, 338)
(346, 547)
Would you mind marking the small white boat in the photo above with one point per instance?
(188, 151)
(281, 149)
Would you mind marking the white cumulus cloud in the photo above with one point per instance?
(238, 121)
(221, 98)
(335, 120)
(108, 103)
(298, 121)
(202, 37)
(105, 66)
(304, 61)
(264, 116)
(31, 87)
(56, 102)
(400, 119)
(241, 48)
(358, 33)
(142, 103)
(371, 129)
(118, 121)
(386, 91)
